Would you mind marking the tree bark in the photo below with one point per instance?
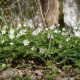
(71, 10)
(50, 11)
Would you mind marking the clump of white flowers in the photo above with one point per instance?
(64, 32)
(30, 23)
(37, 31)
(67, 39)
(50, 36)
(26, 42)
(21, 32)
(56, 31)
(52, 27)
(11, 36)
(77, 33)
(75, 28)
(11, 33)
(19, 26)
(3, 31)
(18, 35)
(63, 29)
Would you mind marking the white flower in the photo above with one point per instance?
(2, 41)
(3, 31)
(5, 26)
(75, 28)
(67, 39)
(11, 31)
(40, 25)
(59, 31)
(19, 26)
(33, 48)
(60, 46)
(30, 23)
(62, 33)
(11, 36)
(63, 29)
(42, 51)
(65, 33)
(50, 36)
(26, 42)
(11, 43)
(18, 35)
(52, 27)
(56, 31)
(77, 33)
(46, 29)
(37, 31)
(22, 32)
(24, 24)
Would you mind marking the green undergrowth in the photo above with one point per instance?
(60, 48)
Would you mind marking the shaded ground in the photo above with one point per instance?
(32, 71)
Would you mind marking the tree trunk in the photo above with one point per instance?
(71, 10)
(50, 11)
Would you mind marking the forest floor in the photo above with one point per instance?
(32, 71)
